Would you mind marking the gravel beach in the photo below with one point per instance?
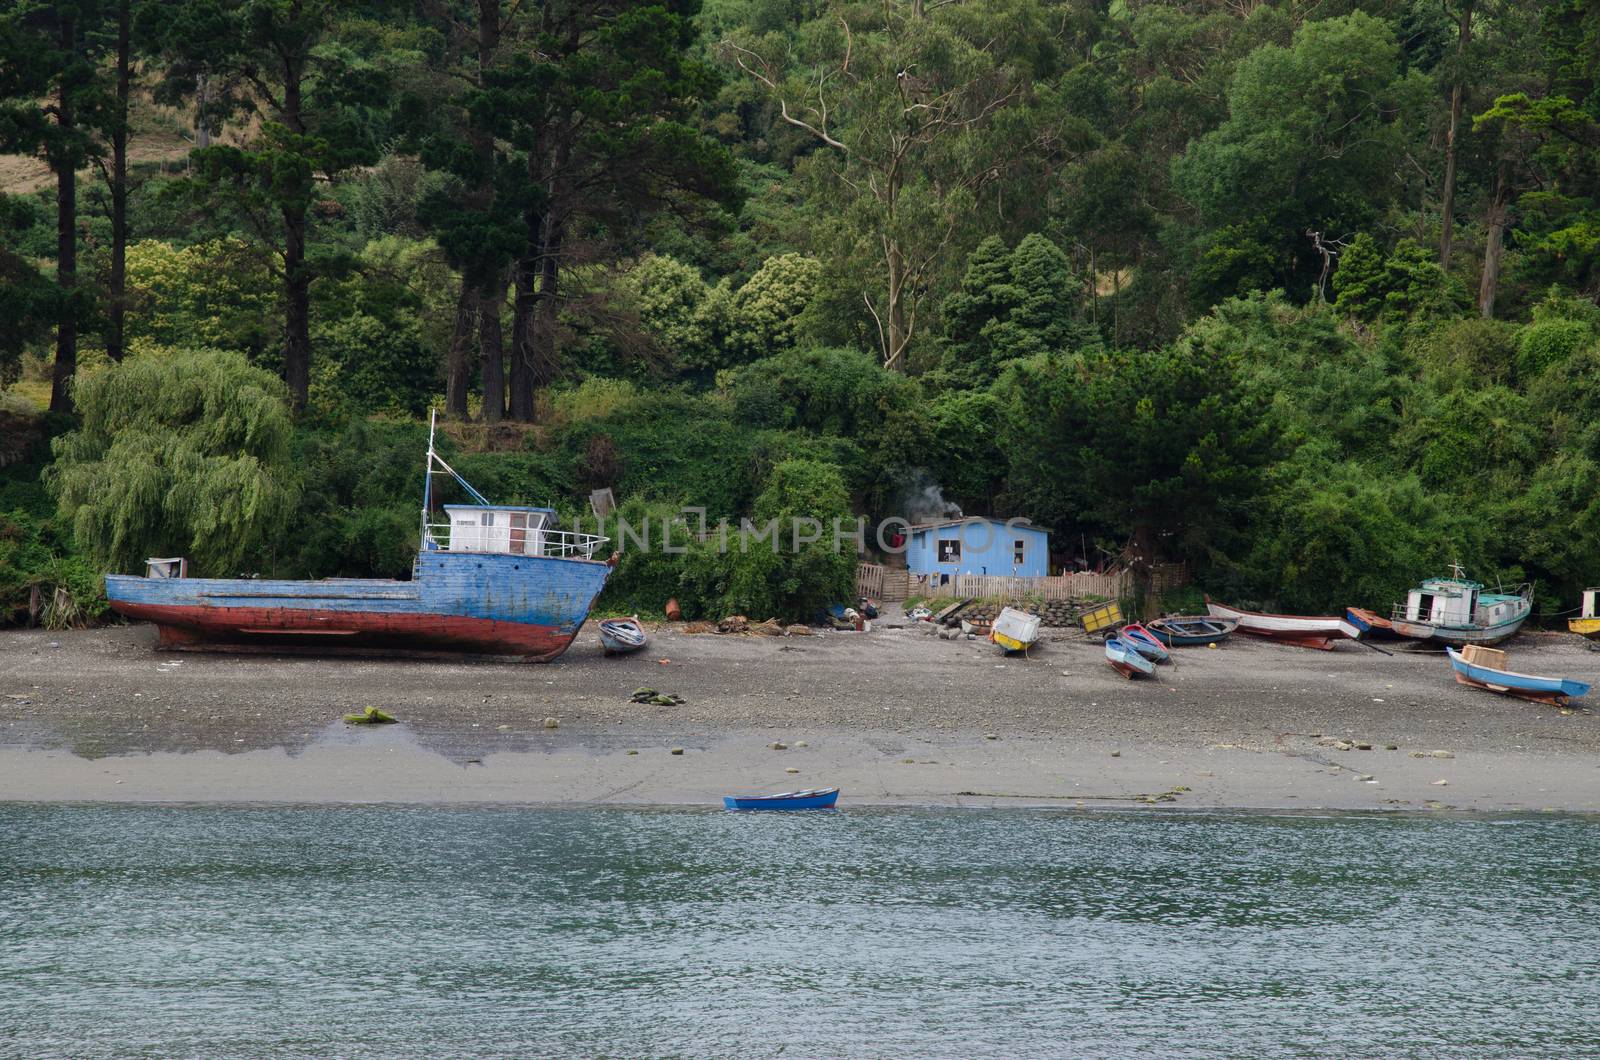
(893, 716)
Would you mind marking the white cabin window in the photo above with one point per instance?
(488, 518)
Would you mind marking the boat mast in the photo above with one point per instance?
(427, 477)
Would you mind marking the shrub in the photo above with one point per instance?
(187, 454)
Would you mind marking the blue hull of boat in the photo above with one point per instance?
(803, 800)
(1515, 682)
(1126, 661)
(462, 602)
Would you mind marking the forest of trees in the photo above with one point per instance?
(1302, 293)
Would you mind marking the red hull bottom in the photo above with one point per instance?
(1124, 669)
(280, 629)
(1299, 640)
(1549, 699)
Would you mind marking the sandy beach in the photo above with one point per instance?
(893, 716)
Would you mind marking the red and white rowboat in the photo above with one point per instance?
(1307, 631)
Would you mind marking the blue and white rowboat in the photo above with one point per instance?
(1509, 682)
(813, 799)
(1125, 660)
(1144, 642)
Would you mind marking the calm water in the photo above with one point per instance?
(521, 932)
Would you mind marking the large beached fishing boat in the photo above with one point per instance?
(491, 579)
(1456, 611)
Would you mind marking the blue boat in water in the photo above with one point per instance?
(813, 799)
(1555, 690)
(490, 579)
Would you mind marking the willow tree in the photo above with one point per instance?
(917, 111)
(186, 455)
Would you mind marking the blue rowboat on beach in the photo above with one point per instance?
(1182, 631)
(1144, 642)
(1554, 690)
(812, 799)
(1125, 660)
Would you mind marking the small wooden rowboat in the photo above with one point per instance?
(1184, 631)
(813, 799)
(1126, 661)
(1370, 623)
(1552, 690)
(620, 636)
(1144, 642)
(1307, 631)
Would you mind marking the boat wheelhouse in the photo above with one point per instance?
(1457, 611)
(490, 579)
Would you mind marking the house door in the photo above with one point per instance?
(519, 533)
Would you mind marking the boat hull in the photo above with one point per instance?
(1459, 636)
(1144, 642)
(1187, 632)
(1585, 627)
(1306, 631)
(458, 603)
(1126, 661)
(1554, 690)
(823, 799)
(1372, 624)
(622, 636)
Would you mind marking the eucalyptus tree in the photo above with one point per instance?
(919, 113)
(1316, 138)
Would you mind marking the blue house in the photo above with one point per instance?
(979, 545)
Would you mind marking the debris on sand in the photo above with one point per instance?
(798, 630)
(654, 698)
(770, 628)
(733, 624)
(700, 627)
(370, 716)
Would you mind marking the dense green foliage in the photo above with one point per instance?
(1304, 296)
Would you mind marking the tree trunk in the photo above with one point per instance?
(297, 303)
(545, 363)
(492, 344)
(66, 239)
(202, 132)
(897, 333)
(458, 369)
(117, 308)
(1447, 202)
(296, 272)
(1490, 283)
(524, 311)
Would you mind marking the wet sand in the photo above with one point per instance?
(893, 716)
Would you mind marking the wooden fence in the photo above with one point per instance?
(882, 583)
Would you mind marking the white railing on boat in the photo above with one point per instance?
(519, 541)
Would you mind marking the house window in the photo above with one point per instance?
(1019, 550)
(950, 551)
